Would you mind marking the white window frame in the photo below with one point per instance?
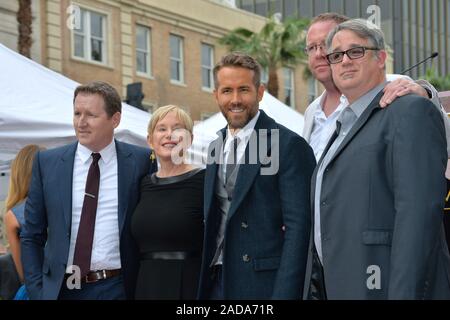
(147, 52)
(290, 88)
(209, 68)
(87, 37)
(178, 60)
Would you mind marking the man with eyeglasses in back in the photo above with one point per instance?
(321, 114)
(377, 194)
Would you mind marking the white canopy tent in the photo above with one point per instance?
(36, 107)
(206, 131)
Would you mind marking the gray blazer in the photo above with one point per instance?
(382, 207)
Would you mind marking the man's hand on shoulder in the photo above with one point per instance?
(399, 88)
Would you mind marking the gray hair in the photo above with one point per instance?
(364, 29)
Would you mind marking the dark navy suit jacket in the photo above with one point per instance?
(268, 224)
(45, 238)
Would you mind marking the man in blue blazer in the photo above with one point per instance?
(257, 183)
(76, 242)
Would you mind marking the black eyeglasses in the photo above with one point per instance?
(353, 53)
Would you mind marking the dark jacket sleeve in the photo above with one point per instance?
(34, 233)
(297, 164)
(417, 181)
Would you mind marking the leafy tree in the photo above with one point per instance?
(276, 45)
(440, 83)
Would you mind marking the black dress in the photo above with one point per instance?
(168, 227)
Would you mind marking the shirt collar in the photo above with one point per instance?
(106, 153)
(343, 102)
(363, 102)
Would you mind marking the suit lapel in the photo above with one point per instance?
(126, 170)
(214, 156)
(358, 125)
(245, 177)
(248, 172)
(65, 169)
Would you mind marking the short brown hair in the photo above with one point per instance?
(239, 60)
(110, 96)
(329, 16)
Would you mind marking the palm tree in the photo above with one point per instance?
(24, 18)
(276, 45)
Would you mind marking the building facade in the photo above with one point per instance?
(414, 29)
(9, 32)
(168, 46)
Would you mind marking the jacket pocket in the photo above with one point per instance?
(377, 237)
(263, 264)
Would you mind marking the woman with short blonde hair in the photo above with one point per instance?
(168, 221)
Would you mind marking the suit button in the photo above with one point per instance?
(245, 258)
(324, 203)
(244, 225)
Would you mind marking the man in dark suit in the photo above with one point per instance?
(257, 186)
(378, 190)
(76, 241)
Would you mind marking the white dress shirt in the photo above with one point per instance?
(244, 136)
(323, 126)
(105, 247)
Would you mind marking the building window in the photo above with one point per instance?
(312, 90)
(262, 7)
(143, 50)
(305, 8)
(289, 87)
(176, 59)
(90, 38)
(290, 8)
(247, 5)
(207, 66)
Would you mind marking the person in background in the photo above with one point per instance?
(19, 184)
(168, 221)
(76, 242)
